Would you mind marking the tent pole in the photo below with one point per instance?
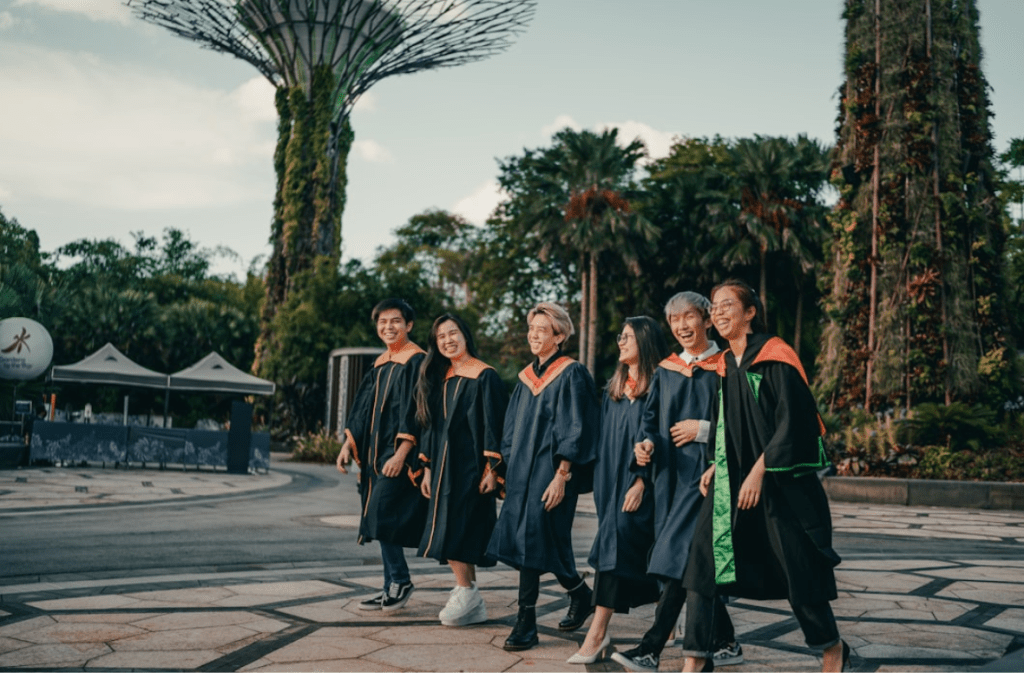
(167, 404)
(126, 410)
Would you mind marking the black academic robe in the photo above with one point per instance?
(550, 418)
(782, 548)
(461, 444)
(623, 539)
(382, 416)
(679, 391)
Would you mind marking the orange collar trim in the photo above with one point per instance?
(676, 364)
(401, 356)
(630, 388)
(777, 350)
(535, 384)
(471, 368)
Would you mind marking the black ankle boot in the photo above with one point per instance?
(524, 633)
(580, 607)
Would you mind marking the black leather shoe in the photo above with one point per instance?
(580, 607)
(524, 633)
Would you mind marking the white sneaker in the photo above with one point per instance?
(466, 606)
(450, 607)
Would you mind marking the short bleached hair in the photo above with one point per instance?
(561, 323)
(678, 304)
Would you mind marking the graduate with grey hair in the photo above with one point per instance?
(670, 454)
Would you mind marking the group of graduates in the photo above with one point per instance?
(703, 466)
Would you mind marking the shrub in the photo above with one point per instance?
(319, 447)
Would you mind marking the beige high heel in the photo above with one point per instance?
(581, 659)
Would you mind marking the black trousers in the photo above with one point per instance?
(529, 586)
(673, 597)
(816, 621)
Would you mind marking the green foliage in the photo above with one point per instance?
(316, 447)
(940, 462)
(958, 426)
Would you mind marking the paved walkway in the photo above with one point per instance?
(945, 611)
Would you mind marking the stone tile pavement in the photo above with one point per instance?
(937, 612)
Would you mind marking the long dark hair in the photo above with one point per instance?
(651, 344)
(436, 365)
(748, 298)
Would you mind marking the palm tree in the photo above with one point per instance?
(583, 182)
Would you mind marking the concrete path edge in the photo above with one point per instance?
(926, 492)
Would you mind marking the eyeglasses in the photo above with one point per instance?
(723, 306)
(623, 338)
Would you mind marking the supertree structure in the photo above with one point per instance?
(916, 306)
(322, 55)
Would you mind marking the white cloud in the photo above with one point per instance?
(658, 142)
(561, 121)
(255, 100)
(372, 151)
(7, 20)
(366, 103)
(105, 134)
(479, 205)
(97, 10)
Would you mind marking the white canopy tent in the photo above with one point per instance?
(214, 374)
(108, 366)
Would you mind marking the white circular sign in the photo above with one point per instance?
(26, 349)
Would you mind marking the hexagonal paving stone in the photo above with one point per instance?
(146, 660)
(80, 632)
(208, 638)
(321, 648)
(53, 655)
(444, 658)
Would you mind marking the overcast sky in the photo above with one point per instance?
(109, 125)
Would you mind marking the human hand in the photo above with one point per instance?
(684, 432)
(554, 493)
(634, 496)
(643, 451)
(489, 483)
(750, 490)
(705, 480)
(425, 484)
(393, 466)
(344, 457)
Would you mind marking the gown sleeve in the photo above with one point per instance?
(357, 423)
(795, 445)
(492, 402)
(576, 426)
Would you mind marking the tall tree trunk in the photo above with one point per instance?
(592, 317)
(944, 328)
(763, 285)
(799, 317)
(876, 185)
(585, 280)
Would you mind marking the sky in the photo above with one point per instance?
(109, 125)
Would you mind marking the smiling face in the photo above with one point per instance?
(629, 352)
(729, 316)
(690, 329)
(392, 328)
(542, 338)
(451, 342)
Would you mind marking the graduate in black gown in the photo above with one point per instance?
(670, 453)
(460, 406)
(625, 506)
(380, 434)
(765, 530)
(549, 446)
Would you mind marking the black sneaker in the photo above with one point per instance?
(397, 596)
(637, 660)
(372, 602)
(728, 654)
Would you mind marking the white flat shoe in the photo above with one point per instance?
(581, 659)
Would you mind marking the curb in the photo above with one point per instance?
(926, 492)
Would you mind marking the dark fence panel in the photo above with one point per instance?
(73, 442)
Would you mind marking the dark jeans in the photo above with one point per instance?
(395, 567)
(816, 621)
(673, 596)
(529, 586)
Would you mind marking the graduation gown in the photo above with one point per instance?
(382, 416)
(782, 548)
(461, 444)
(550, 418)
(623, 539)
(679, 391)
